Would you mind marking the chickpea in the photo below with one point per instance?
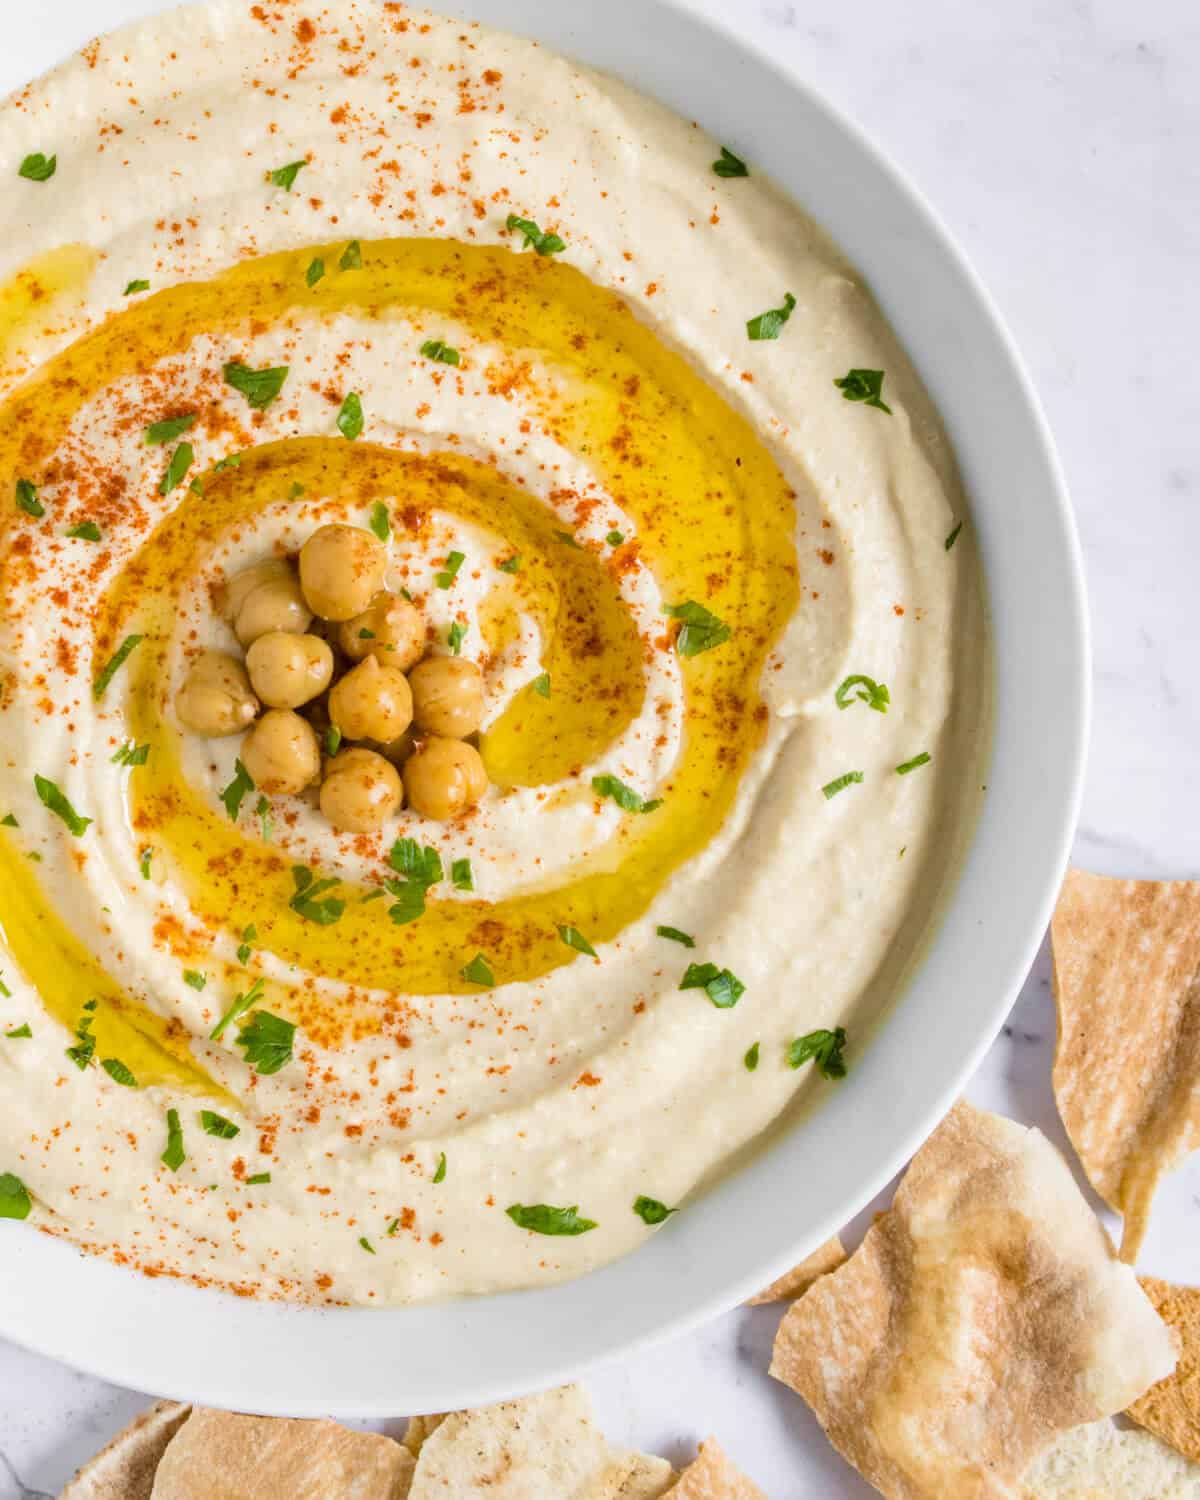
(276, 604)
(341, 570)
(371, 702)
(239, 588)
(361, 791)
(288, 670)
(281, 752)
(447, 696)
(444, 778)
(215, 698)
(390, 628)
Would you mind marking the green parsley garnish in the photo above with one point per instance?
(408, 858)
(478, 971)
(444, 355)
(544, 1218)
(4, 990)
(911, 765)
(440, 1174)
(218, 1125)
(351, 257)
(38, 168)
(241, 1004)
(144, 859)
(235, 793)
(541, 685)
(380, 522)
(137, 286)
(750, 1061)
(258, 1179)
(86, 531)
(266, 1041)
(130, 754)
(624, 796)
(316, 269)
(169, 429)
(676, 936)
(262, 811)
(461, 876)
(51, 797)
(194, 979)
(544, 244)
(18, 1033)
(366, 1244)
(350, 418)
(825, 1050)
(118, 1072)
(248, 936)
(575, 939)
(728, 165)
(859, 689)
(511, 564)
(840, 783)
(953, 537)
(174, 1156)
(180, 463)
(701, 629)
(122, 654)
(15, 1202)
(333, 740)
(284, 176)
(260, 388)
(84, 1050)
(769, 325)
(9, 821)
(865, 386)
(455, 637)
(722, 988)
(308, 889)
(614, 538)
(450, 572)
(409, 903)
(567, 539)
(27, 499)
(651, 1211)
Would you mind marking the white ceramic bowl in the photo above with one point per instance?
(176, 1341)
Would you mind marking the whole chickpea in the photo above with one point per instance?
(371, 702)
(390, 628)
(447, 694)
(281, 752)
(239, 588)
(361, 791)
(444, 778)
(341, 570)
(288, 670)
(276, 605)
(216, 698)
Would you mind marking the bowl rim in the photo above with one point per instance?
(303, 1361)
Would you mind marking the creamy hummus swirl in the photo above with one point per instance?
(611, 445)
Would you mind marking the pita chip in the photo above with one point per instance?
(419, 1428)
(713, 1477)
(219, 1455)
(541, 1446)
(1171, 1409)
(1099, 1461)
(1127, 1066)
(984, 1313)
(125, 1469)
(796, 1282)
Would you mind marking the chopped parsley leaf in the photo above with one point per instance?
(701, 629)
(544, 244)
(144, 859)
(859, 689)
(130, 754)
(350, 418)
(18, 1032)
(260, 388)
(442, 353)
(651, 1211)
(194, 979)
(455, 638)
(235, 793)
(27, 499)
(409, 903)
(511, 564)
(351, 257)
(218, 1125)
(380, 521)
(624, 796)
(316, 269)
(258, 1180)
(750, 1061)
(118, 1072)
(84, 1050)
(174, 1156)
(267, 1041)
(479, 971)
(541, 685)
(440, 1174)
(262, 811)
(575, 939)
(9, 821)
(769, 324)
(15, 1202)
(333, 740)
(953, 537)
(122, 654)
(248, 936)
(676, 936)
(825, 1050)
(461, 876)
(241, 1004)
(722, 988)
(284, 177)
(51, 797)
(840, 783)
(169, 429)
(137, 286)
(424, 865)
(865, 386)
(308, 888)
(366, 1244)
(615, 538)
(37, 167)
(450, 572)
(911, 765)
(544, 1218)
(567, 539)
(180, 463)
(728, 165)
(86, 531)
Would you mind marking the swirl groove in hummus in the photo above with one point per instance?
(609, 446)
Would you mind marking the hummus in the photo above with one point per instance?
(711, 569)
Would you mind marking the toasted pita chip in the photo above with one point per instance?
(796, 1282)
(419, 1428)
(713, 1477)
(1127, 1066)
(632, 1476)
(1100, 1462)
(219, 1455)
(542, 1446)
(125, 1469)
(1171, 1409)
(984, 1313)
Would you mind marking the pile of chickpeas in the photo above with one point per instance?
(401, 717)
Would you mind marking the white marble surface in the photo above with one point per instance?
(1057, 138)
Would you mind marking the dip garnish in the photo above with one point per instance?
(27, 499)
(544, 1218)
(380, 523)
(511, 564)
(478, 971)
(144, 858)
(575, 939)
(84, 1051)
(262, 811)
(174, 1156)
(194, 979)
(118, 1072)
(9, 821)
(440, 1174)
(676, 936)
(266, 1041)
(18, 1033)
(169, 428)
(308, 888)
(366, 1244)
(865, 386)
(840, 783)
(614, 538)
(450, 572)
(722, 988)
(136, 286)
(455, 636)
(911, 765)
(624, 796)
(214, 1124)
(750, 1061)
(241, 1004)
(260, 388)
(51, 797)
(444, 354)
(244, 949)
(130, 754)
(651, 1211)
(859, 689)
(316, 269)
(541, 684)
(350, 418)
(284, 177)
(15, 1202)
(235, 793)
(424, 865)
(544, 244)
(180, 463)
(953, 537)
(461, 876)
(258, 1180)
(351, 257)
(86, 531)
(701, 629)
(769, 325)
(122, 654)
(333, 740)
(825, 1050)
(38, 168)
(728, 165)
